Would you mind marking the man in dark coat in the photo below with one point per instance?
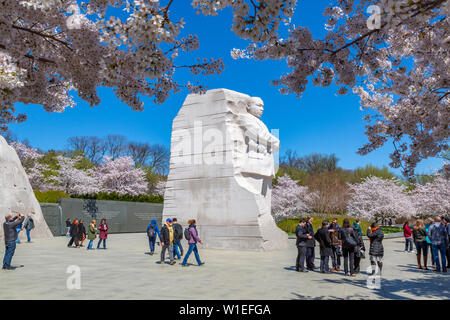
(310, 244)
(74, 234)
(302, 237)
(178, 236)
(376, 250)
(10, 234)
(323, 237)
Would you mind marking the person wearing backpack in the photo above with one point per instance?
(349, 243)
(360, 248)
(376, 251)
(167, 240)
(191, 236)
(152, 232)
(178, 234)
(28, 226)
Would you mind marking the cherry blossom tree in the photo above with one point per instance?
(289, 200)
(377, 199)
(160, 188)
(396, 59)
(72, 180)
(121, 176)
(433, 198)
(29, 157)
(49, 47)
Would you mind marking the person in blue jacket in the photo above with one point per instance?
(152, 231)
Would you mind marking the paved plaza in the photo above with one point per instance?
(126, 271)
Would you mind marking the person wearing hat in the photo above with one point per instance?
(167, 240)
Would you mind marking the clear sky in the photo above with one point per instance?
(318, 122)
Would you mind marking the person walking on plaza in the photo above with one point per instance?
(333, 229)
(10, 234)
(376, 251)
(310, 244)
(28, 226)
(81, 233)
(428, 223)
(178, 236)
(439, 242)
(92, 230)
(419, 236)
(74, 234)
(407, 233)
(323, 237)
(359, 250)
(349, 242)
(193, 239)
(152, 232)
(68, 225)
(103, 227)
(302, 238)
(167, 240)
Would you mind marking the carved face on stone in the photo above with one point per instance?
(255, 107)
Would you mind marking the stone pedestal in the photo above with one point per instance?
(16, 194)
(221, 170)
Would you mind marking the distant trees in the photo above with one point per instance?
(96, 165)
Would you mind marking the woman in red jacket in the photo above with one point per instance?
(103, 227)
(407, 233)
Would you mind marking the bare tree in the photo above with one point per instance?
(140, 152)
(115, 145)
(159, 158)
(78, 144)
(96, 149)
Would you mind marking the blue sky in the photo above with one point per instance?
(318, 122)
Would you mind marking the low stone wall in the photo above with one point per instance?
(52, 217)
(121, 216)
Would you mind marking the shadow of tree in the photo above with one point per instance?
(430, 286)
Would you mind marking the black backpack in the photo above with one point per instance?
(349, 241)
(151, 231)
(187, 234)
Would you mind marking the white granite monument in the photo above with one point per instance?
(221, 170)
(16, 194)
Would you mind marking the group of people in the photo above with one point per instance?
(170, 237)
(429, 236)
(337, 242)
(77, 233)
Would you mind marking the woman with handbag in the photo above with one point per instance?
(103, 227)
(348, 237)
(360, 250)
(376, 250)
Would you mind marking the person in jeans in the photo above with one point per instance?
(91, 235)
(428, 223)
(103, 228)
(302, 238)
(18, 229)
(439, 242)
(359, 250)
(28, 226)
(152, 232)
(310, 244)
(167, 239)
(10, 234)
(349, 242)
(68, 225)
(178, 235)
(74, 234)
(419, 236)
(407, 233)
(376, 251)
(333, 229)
(323, 237)
(193, 240)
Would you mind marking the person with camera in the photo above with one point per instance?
(10, 234)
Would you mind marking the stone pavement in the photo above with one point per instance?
(126, 271)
